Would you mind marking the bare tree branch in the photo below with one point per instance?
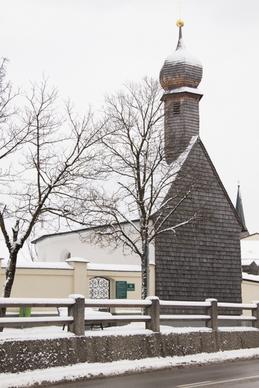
(134, 159)
(60, 157)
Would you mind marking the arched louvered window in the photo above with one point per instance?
(176, 108)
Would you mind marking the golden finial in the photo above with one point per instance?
(180, 23)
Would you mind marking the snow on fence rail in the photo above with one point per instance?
(79, 312)
(36, 302)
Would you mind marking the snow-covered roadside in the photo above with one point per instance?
(135, 328)
(87, 370)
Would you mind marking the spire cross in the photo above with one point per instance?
(180, 24)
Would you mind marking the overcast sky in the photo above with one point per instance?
(89, 48)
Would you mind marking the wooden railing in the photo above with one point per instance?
(78, 316)
(10, 321)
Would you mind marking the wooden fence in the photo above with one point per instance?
(79, 314)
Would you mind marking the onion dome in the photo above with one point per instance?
(180, 69)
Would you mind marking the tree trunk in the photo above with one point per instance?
(143, 281)
(10, 274)
(144, 271)
(9, 279)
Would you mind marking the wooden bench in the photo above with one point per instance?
(90, 314)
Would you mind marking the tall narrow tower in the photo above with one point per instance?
(180, 76)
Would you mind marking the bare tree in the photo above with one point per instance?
(12, 136)
(134, 158)
(59, 158)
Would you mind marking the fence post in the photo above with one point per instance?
(213, 312)
(77, 311)
(154, 311)
(255, 313)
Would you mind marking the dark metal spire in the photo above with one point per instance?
(240, 210)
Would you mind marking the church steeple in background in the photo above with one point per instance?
(240, 212)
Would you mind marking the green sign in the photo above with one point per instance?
(131, 286)
(121, 290)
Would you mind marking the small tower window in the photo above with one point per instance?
(176, 108)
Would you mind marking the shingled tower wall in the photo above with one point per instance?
(202, 259)
(181, 122)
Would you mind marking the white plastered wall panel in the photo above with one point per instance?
(80, 244)
(250, 291)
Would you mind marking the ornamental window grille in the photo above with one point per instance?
(99, 288)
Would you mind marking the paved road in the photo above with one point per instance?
(236, 374)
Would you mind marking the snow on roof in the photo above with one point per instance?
(253, 236)
(183, 89)
(178, 163)
(75, 231)
(77, 260)
(250, 261)
(253, 278)
(40, 264)
(181, 55)
(66, 265)
(114, 267)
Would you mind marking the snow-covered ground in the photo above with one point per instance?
(87, 370)
(130, 329)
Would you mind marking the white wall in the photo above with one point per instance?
(54, 248)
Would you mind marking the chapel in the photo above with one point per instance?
(202, 259)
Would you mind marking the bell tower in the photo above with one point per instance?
(179, 77)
